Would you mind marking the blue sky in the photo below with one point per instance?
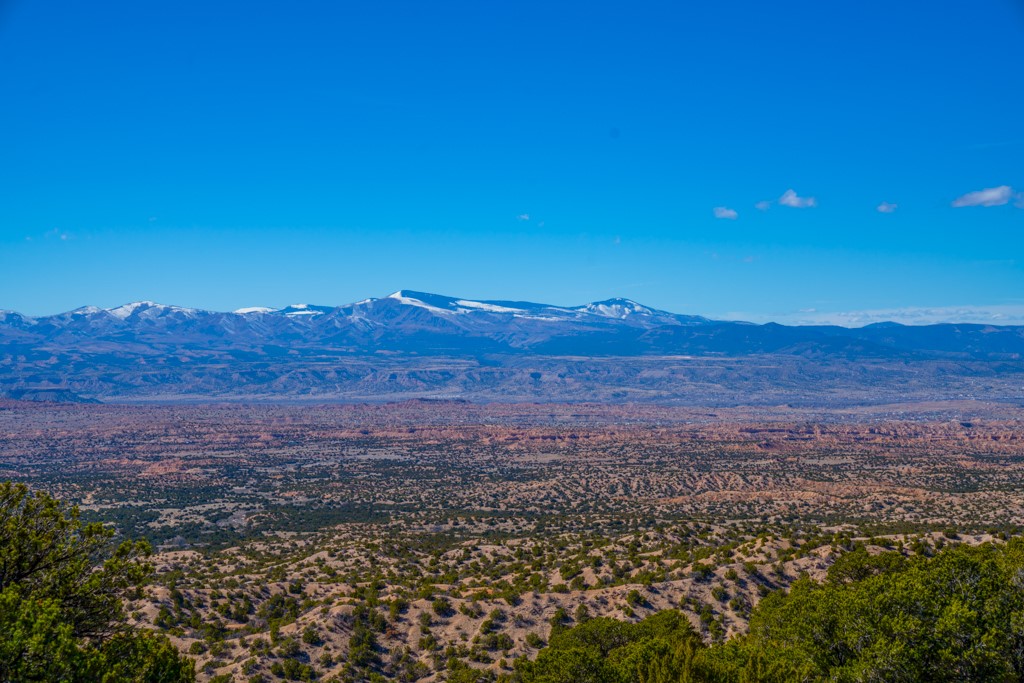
(222, 154)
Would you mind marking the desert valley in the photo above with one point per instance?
(420, 539)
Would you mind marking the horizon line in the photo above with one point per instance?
(997, 315)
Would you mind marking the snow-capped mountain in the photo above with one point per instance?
(617, 308)
(432, 302)
(405, 320)
(144, 347)
(148, 310)
(620, 309)
(426, 319)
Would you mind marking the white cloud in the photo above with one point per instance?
(523, 217)
(792, 199)
(990, 196)
(887, 207)
(763, 205)
(726, 212)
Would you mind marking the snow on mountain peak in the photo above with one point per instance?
(15, 318)
(126, 310)
(616, 308)
(296, 310)
(482, 306)
(438, 303)
(432, 302)
(470, 310)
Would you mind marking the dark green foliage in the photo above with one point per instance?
(442, 607)
(956, 616)
(288, 647)
(363, 643)
(859, 564)
(62, 587)
(462, 673)
(279, 606)
(603, 650)
(581, 614)
(293, 670)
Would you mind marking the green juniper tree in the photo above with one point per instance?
(62, 588)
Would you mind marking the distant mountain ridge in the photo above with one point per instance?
(475, 348)
(614, 308)
(515, 324)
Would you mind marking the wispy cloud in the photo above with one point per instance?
(726, 213)
(887, 207)
(990, 196)
(58, 234)
(792, 199)
(763, 205)
(523, 217)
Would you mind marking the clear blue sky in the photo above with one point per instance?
(227, 154)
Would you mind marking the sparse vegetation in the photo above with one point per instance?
(359, 543)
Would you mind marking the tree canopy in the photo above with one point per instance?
(62, 589)
(957, 616)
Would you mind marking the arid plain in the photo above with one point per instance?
(410, 538)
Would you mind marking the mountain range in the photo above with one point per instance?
(416, 344)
